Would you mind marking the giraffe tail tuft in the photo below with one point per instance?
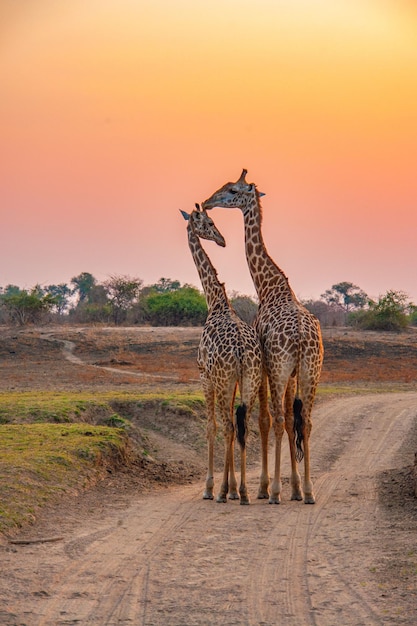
(241, 425)
(298, 429)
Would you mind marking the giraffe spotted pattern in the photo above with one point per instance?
(229, 357)
(291, 343)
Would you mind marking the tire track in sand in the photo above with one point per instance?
(172, 558)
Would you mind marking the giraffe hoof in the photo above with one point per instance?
(244, 500)
(233, 496)
(309, 499)
(297, 496)
(207, 496)
(262, 495)
(275, 500)
(221, 498)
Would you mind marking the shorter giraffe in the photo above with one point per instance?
(229, 356)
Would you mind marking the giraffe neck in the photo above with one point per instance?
(268, 278)
(214, 290)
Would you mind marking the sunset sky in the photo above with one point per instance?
(115, 114)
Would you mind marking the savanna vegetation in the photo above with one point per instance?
(125, 300)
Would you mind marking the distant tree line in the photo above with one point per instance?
(346, 304)
(124, 300)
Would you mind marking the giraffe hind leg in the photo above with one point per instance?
(290, 421)
(265, 422)
(211, 429)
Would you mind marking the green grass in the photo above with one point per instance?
(64, 407)
(337, 389)
(39, 462)
(53, 443)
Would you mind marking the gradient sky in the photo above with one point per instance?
(114, 114)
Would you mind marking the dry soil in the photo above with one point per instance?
(128, 553)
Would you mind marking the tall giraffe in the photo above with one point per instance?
(229, 355)
(291, 343)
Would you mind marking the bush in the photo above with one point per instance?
(413, 316)
(25, 307)
(185, 306)
(389, 313)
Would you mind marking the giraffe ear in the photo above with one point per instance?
(185, 215)
(197, 206)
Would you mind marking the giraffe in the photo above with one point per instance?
(229, 356)
(291, 343)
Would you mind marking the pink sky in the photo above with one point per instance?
(114, 115)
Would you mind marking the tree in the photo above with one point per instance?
(25, 307)
(346, 296)
(166, 284)
(122, 292)
(62, 294)
(83, 284)
(245, 307)
(327, 314)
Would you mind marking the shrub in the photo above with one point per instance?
(389, 313)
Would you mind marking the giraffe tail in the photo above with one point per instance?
(298, 429)
(241, 425)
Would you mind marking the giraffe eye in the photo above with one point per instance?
(233, 191)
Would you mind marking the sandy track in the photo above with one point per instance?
(173, 558)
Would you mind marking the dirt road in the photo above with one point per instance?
(174, 558)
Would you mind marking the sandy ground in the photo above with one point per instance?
(118, 556)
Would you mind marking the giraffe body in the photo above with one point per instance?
(292, 348)
(229, 357)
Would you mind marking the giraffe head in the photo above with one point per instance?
(233, 195)
(203, 226)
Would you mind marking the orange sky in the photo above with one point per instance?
(114, 114)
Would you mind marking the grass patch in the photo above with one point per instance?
(53, 443)
(326, 390)
(39, 462)
(66, 407)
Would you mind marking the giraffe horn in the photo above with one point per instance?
(242, 176)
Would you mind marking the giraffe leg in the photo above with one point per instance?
(211, 433)
(229, 482)
(233, 494)
(308, 485)
(278, 424)
(228, 467)
(308, 385)
(243, 491)
(264, 427)
(296, 492)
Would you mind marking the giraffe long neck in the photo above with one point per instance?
(268, 278)
(214, 290)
